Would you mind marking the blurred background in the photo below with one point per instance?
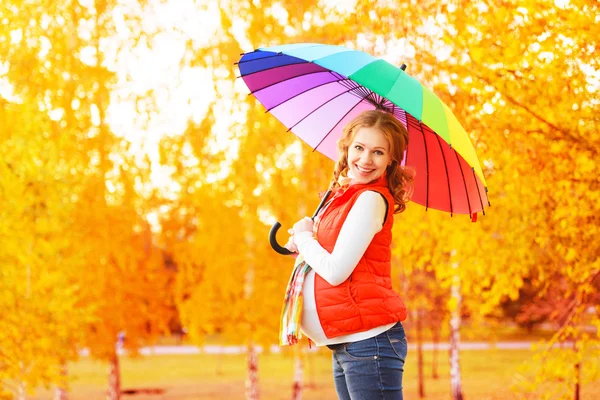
(138, 182)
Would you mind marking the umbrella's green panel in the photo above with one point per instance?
(346, 63)
(434, 115)
(407, 93)
(315, 52)
(462, 143)
(378, 76)
(288, 47)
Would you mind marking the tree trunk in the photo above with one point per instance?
(455, 341)
(21, 391)
(252, 381)
(436, 346)
(114, 379)
(310, 369)
(577, 373)
(22, 385)
(298, 377)
(61, 391)
(420, 352)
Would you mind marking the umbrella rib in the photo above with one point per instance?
(285, 80)
(447, 173)
(298, 94)
(407, 146)
(358, 90)
(310, 113)
(426, 167)
(464, 181)
(331, 130)
(279, 66)
(478, 191)
(258, 59)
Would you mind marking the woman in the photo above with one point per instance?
(347, 302)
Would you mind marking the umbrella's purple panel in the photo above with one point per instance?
(328, 145)
(274, 95)
(262, 79)
(325, 118)
(458, 194)
(438, 195)
(415, 158)
(293, 111)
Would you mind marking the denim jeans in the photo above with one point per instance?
(372, 368)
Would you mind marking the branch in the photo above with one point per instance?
(571, 309)
(565, 132)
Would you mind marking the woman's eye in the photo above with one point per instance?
(357, 147)
(379, 153)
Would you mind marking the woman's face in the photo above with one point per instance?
(368, 155)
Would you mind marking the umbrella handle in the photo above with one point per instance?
(273, 240)
(273, 232)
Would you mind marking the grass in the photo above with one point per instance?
(489, 331)
(486, 375)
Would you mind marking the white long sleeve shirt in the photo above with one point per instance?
(364, 220)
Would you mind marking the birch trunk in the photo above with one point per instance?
(22, 384)
(61, 391)
(114, 379)
(298, 377)
(252, 380)
(455, 322)
(21, 391)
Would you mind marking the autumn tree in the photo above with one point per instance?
(79, 265)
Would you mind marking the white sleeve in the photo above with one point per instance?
(364, 220)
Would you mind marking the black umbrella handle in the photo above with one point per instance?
(273, 240)
(273, 232)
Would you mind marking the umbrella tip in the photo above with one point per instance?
(403, 67)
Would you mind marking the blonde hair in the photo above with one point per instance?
(400, 180)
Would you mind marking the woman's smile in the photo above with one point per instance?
(368, 155)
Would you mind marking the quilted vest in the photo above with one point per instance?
(366, 299)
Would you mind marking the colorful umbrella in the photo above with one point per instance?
(316, 89)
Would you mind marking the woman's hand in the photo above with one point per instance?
(304, 225)
(291, 245)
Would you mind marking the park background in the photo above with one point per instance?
(138, 181)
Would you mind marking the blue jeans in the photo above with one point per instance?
(372, 368)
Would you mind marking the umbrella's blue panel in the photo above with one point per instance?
(346, 63)
(267, 63)
(255, 55)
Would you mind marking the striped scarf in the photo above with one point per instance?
(291, 314)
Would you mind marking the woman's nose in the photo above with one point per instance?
(366, 157)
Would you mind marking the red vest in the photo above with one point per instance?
(366, 299)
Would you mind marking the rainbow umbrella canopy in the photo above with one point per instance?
(316, 89)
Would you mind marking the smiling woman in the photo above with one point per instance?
(340, 293)
(368, 155)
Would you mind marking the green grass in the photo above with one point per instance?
(486, 375)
